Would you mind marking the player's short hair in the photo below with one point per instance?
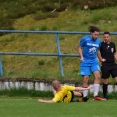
(107, 32)
(56, 84)
(93, 29)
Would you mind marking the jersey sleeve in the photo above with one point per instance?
(82, 42)
(56, 98)
(70, 88)
(100, 42)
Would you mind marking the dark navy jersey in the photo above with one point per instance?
(107, 51)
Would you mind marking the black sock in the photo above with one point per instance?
(81, 94)
(105, 86)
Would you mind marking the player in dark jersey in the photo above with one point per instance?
(109, 66)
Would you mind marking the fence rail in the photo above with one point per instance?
(59, 54)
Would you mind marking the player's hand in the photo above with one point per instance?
(90, 87)
(40, 100)
(103, 60)
(82, 59)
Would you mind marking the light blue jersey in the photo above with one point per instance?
(89, 49)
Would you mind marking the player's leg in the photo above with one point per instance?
(105, 76)
(105, 88)
(114, 73)
(115, 81)
(96, 82)
(85, 84)
(85, 72)
(79, 94)
(96, 72)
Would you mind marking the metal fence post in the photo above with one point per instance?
(1, 71)
(59, 54)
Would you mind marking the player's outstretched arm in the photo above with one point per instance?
(46, 101)
(81, 88)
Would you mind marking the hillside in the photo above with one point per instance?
(48, 67)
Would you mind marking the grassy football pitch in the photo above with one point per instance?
(29, 107)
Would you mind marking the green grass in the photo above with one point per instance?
(29, 107)
(24, 92)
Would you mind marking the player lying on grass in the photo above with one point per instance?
(66, 93)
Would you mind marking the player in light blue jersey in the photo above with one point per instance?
(88, 50)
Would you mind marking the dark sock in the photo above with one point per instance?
(81, 94)
(105, 86)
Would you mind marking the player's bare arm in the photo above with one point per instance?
(100, 57)
(81, 88)
(46, 101)
(80, 53)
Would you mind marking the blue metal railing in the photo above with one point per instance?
(44, 54)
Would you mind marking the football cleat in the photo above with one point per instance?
(98, 98)
(105, 97)
(85, 99)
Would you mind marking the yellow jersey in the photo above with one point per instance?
(64, 95)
